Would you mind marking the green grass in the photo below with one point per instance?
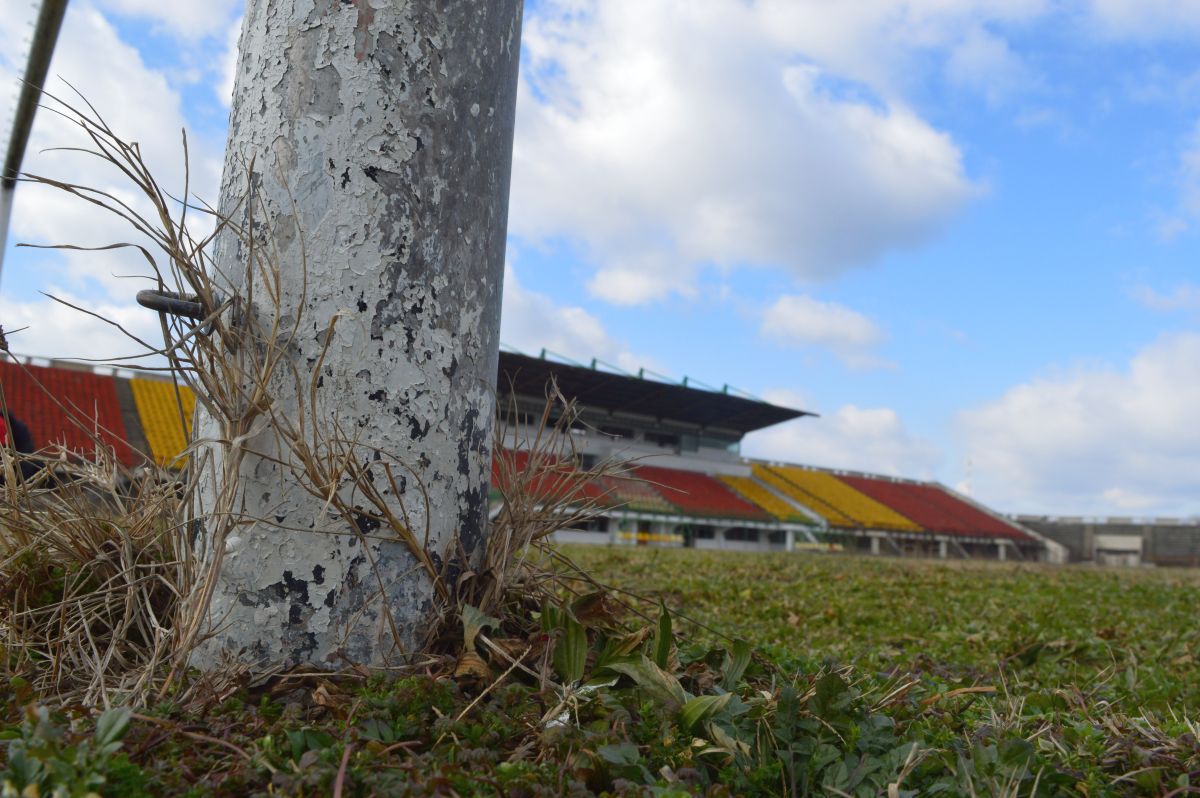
(1131, 637)
(870, 675)
(1100, 667)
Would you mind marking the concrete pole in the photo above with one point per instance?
(381, 138)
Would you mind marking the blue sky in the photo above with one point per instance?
(963, 232)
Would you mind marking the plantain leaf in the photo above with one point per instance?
(662, 637)
(570, 652)
(662, 686)
(112, 725)
(736, 662)
(701, 707)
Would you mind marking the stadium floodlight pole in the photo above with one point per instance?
(45, 36)
(379, 138)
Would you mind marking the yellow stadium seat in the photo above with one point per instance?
(851, 508)
(158, 407)
(754, 491)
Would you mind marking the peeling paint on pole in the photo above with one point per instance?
(389, 126)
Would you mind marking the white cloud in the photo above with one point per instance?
(54, 330)
(888, 43)
(983, 62)
(1146, 19)
(798, 320)
(853, 438)
(142, 107)
(1171, 223)
(1096, 439)
(187, 19)
(228, 62)
(531, 322)
(669, 135)
(1185, 296)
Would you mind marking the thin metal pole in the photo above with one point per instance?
(6, 203)
(45, 36)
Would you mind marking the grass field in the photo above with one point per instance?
(1100, 668)
(869, 677)
(1129, 637)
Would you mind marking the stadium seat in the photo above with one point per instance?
(159, 406)
(78, 410)
(754, 491)
(701, 495)
(862, 511)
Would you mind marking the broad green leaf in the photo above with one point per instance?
(662, 686)
(625, 753)
(570, 652)
(726, 742)
(112, 725)
(736, 662)
(829, 691)
(701, 707)
(616, 648)
(662, 637)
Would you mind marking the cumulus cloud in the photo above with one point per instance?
(984, 62)
(798, 320)
(183, 18)
(53, 330)
(140, 105)
(228, 63)
(663, 136)
(888, 44)
(530, 321)
(853, 438)
(1185, 296)
(1146, 19)
(1096, 439)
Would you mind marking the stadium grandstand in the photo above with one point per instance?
(686, 482)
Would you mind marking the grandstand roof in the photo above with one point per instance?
(527, 376)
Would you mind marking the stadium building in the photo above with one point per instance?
(687, 483)
(1119, 540)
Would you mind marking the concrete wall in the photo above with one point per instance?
(1172, 545)
(1076, 536)
(1164, 541)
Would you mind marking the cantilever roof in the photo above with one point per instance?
(605, 390)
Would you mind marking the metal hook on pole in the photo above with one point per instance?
(176, 304)
(188, 306)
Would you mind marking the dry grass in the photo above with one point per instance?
(107, 590)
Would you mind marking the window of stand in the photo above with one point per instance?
(742, 535)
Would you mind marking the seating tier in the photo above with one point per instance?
(159, 407)
(701, 495)
(754, 491)
(75, 409)
(865, 512)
